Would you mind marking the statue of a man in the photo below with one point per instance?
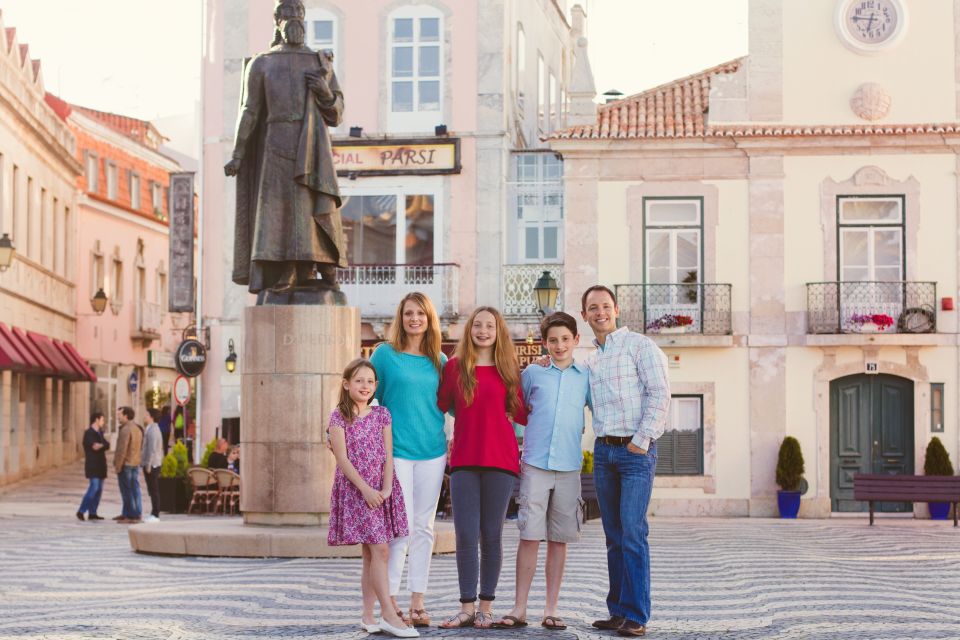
(288, 220)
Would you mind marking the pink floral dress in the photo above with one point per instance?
(352, 521)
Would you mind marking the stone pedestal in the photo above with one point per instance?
(293, 358)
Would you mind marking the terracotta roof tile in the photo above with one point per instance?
(140, 130)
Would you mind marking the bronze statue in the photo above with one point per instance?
(288, 225)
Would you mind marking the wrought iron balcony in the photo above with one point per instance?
(675, 308)
(517, 299)
(871, 307)
(377, 288)
(147, 320)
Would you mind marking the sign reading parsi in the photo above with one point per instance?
(392, 157)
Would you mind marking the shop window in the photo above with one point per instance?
(680, 448)
(396, 228)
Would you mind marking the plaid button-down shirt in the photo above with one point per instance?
(629, 387)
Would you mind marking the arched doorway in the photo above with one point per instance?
(871, 431)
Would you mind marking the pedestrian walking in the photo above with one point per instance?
(481, 383)
(126, 462)
(165, 422)
(550, 505)
(95, 448)
(151, 458)
(630, 396)
(408, 372)
(366, 502)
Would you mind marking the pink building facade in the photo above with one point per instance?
(448, 188)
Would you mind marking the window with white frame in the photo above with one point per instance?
(673, 229)
(541, 93)
(322, 31)
(521, 70)
(416, 68)
(111, 180)
(96, 270)
(536, 235)
(871, 238)
(116, 283)
(552, 103)
(93, 172)
(134, 190)
(680, 448)
(156, 198)
(393, 227)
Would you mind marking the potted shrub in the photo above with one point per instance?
(588, 488)
(789, 477)
(174, 486)
(870, 322)
(937, 463)
(670, 323)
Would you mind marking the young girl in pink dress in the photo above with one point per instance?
(366, 503)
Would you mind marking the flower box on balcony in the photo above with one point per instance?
(670, 323)
(669, 330)
(870, 323)
(869, 327)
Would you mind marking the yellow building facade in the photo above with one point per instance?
(785, 226)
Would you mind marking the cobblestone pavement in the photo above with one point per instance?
(713, 578)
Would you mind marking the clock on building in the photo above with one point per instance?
(870, 26)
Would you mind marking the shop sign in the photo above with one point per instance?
(133, 381)
(395, 157)
(181, 390)
(160, 359)
(181, 242)
(191, 358)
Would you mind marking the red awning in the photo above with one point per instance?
(79, 363)
(44, 366)
(12, 357)
(63, 368)
(76, 373)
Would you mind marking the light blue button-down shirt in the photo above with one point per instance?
(556, 398)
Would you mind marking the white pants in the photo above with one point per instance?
(420, 481)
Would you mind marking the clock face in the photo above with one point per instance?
(872, 21)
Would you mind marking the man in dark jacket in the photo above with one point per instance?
(95, 466)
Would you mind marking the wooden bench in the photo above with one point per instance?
(894, 488)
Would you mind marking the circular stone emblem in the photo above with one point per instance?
(870, 101)
(191, 358)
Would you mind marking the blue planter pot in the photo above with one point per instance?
(789, 503)
(939, 510)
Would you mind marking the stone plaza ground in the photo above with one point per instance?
(712, 578)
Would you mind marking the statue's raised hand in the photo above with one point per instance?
(232, 167)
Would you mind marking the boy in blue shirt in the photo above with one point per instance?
(550, 505)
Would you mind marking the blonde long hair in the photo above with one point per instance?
(430, 346)
(345, 404)
(504, 356)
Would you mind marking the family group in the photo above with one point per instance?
(392, 456)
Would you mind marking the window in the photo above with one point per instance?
(134, 190)
(68, 244)
(541, 94)
(397, 228)
(28, 227)
(59, 238)
(521, 70)
(156, 198)
(680, 448)
(673, 247)
(552, 106)
(936, 407)
(93, 173)
(15, 202)
(322, 32)
(538, 195)
(116, 284)
(111, 181)
(416, 67)
(44, 230)
(96, 270)
(162, 288)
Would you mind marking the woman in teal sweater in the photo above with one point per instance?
(408, 368)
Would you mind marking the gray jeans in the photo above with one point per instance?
(480, 498)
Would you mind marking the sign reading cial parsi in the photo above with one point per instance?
(397, 157)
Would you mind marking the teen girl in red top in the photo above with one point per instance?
(481, 385)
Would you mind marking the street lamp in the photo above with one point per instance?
(231, 360)
(6, 252)
(99, 301)
(545, 293)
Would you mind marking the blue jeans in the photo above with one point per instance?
(624, 483)
(91, 499)
(129, 480)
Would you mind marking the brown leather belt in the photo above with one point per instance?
(615, 441)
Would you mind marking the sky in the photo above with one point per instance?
(142, 57)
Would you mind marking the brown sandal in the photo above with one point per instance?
(422, 619)
(465, 621)
(553, 623)
(515, 623)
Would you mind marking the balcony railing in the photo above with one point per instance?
(518, 280)
(661, 308)
(848, 307)
(147, 320)
(377, 288)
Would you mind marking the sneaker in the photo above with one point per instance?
(151, 518)
(80, 516)
(94, 516)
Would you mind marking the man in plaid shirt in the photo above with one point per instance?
(630, 398)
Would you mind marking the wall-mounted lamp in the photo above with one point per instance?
(356, 132)
(99, 302)
(231, 361)
(440, 130)
(6, 252)
(545, 293)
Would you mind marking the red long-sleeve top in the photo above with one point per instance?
(483, 435)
